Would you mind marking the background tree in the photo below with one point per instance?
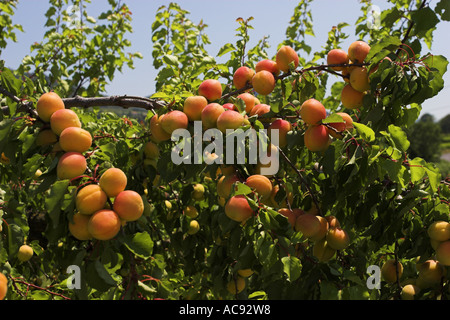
(425, 138)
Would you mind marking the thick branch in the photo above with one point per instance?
(119, 101)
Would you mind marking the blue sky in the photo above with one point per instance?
(271, 18)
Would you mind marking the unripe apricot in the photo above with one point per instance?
(238, 209)
(113, 181)
(25, 253)
(173, 120)
(62, 119)
(210, 114)
(308, 224)
(312, 112)
(245, 273)
(337, 56)
(389, 271)
(322, 251)
(71, 165)
(338, 238)
(263, 82)
(358, 51)
(129, 205)
(242, 76)
(285, 56)
(230, 120)
(443, 253)
(191, 212)
(158, 134)
(289, 214)
(194, 227)
(316, 138)
(439, 230)
(211, 89)
(409, 291)
(46, 137)
(430, 274)
(151, 150)
(47, 104)
(268, 65)
(350, 98)
(225, 185)
(3, 286)
(78, 228)
(236, 286)
(359, 79)
(283, 127)
(193, 107)
(104, 224)
(260, 184)
(75, 139)
(90, 199)
(198, 192)
(250, 101)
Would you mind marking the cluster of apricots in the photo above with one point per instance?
(96, 216)
(439, 233)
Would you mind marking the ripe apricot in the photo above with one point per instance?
(389, 270)
(409, 291)
(156, 130)
(242, 76)
(211, 89)
(62, 119)
(283, 127)
(75, 139)
(238, 209)
(430, 274)
(210, 114)
(3, 286)
(443, 253)
(359, 79)
(249, 100)
(289, 214)
(351, 98)
(322, 251)
(439, 230)
(263, 82)
(113, 181)
(78, 228)
(358, 51)
(340, 127)
(46, 137)
(259, 110)
(312, 112)
(47, 104)
(286, 56)
(129, 205)
(316, 138)
(337, 56)
(104, 224)
(230, 120)
(225, 185)
(260, 184)
(193, 107)
(71, 165)
(323, 230)
(173, 120)
(268, 65)
(90, 199)
(338, 238)
(308, 224)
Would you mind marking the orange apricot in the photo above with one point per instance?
(312, 111)
(75, 139)
(104, 224)
(193, 107)
(238, 209)
(129, 205)
(285, 57)
(78, 228)
(211, 89)
(90, 199)
(47, 104)
(71, 165)
(113, 181)
(242, 76)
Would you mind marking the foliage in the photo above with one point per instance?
(425, 138)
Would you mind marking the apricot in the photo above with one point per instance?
(211, 89)
(351, 98)
(194, 227)
(439, 230)
(268, 65)
(113, 181)
(104, 224)
(409, 291)
(191, 212)
(151, 150)
(236, 286)
(323, 230)
(198, 192)
(443, 253)
(3, 286)
(242, 76)
(263, 82)
(338, 238)
(245, 273)
(430, 274)
(193, 107)
(289, 214)
(75, 139)
(129, 205)
(312, 112)
(337, 56)
(62, 119)
(230, 120)
(333, 222)
(250, 101)
(210, 114)
(259, 110)
(316, 138)
(25, 253)
(286, 56)
(78, 228)
(230, 106)
(359, 79)
(4, 159)
(173, 120)
(308, 224)
(357, 51)
(71, 165)
(46, 137)
(260, 184)
(283, 127)
(90, 199)
(225, 185)
(389, 270)
(47, 104)
(322, 251)
(238, 209)
(157, 133)
(341, 126)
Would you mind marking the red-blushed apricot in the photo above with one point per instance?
(193, 107)
(337, 56)
(443, 253)
(289, 214)
(47, 104)
(242, 76)
(238, 209)
(430, 274)
(350, 98)
(90, 199)
(286, 56)
(268, 65)
(283, 127)
(210, 114)
(259, 110)
(236, 286)
(225, 185)
(104, 224)
(333, 222)
(75, 139)
(439, 230)
(230, 120)
(260, 184)
(263, 82)
(174, 120)
(151, 150)
(157, 133)
(78, 228)
(308, 224)
(3, 286)
(357, 51)
(316, 138)
(211, 89)
(230, 106)
(113, 181)
(359, 79)
(323, 230)
(46, 137)
(250, 101)
(338, 238)
(129, 205)
(322, 251)
(312, 111)
(71, 165)
(25, 253)
(62, 119)
(340, 127)
(389, 271)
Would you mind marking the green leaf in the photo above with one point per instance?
(141, 244)
(364, 131)
(424, 19)
(292, 267)
(381, 49)
(54, 200)
(399, 137)
(333, 118)
(443, 8)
